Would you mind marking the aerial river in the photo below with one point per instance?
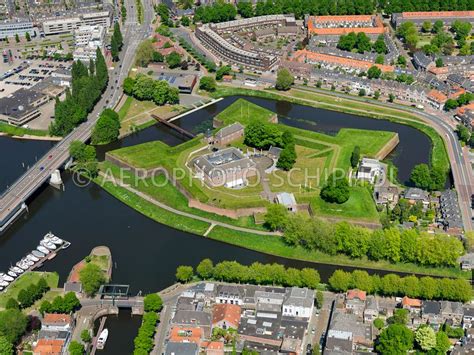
(146, 253)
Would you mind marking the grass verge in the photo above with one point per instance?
(20, 131)
(26, 280)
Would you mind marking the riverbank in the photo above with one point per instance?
(257, 241)
(25, 133)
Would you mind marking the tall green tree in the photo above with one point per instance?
(6, 347)
(184, 273)
(91, 277)
(425, 338)
(395, 339)
(12, 324)
(284, 79)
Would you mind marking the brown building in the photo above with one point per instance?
(226, 316)
(229, 134)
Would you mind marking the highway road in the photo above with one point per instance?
(40, 172)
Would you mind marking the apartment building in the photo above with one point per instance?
(68, 24)
(418, 17)
(21, 106)
(215, 38)
(20, 27)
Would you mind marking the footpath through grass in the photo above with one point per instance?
(26, 280)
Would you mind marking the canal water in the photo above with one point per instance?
(146, 253)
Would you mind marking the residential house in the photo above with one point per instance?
(414, 195)
(431, 313)
(229, 294)
(57, 322)
(437, 99)
(299, 303)
(213, 347)
(371, 310)
(355, 301)
(452, 312)
(412, 304)
(181, 334)
(370, 170)
(173, 348)
(468, 317)
(386, 195)
(226, 316)
(197, 318)
(49, 347)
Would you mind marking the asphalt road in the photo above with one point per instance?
(133, 34)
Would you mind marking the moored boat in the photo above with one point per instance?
(5, 277)
(32, 258)
(102, 339)
(12, 274)
(42, 249)
(38, 254)
(48, 244)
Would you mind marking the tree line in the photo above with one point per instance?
(408, 246)
(67, 304)
(116, 42)
(256, 273)
(88, 83)
(428, 288)
(275, 274)
(220, 12)
(143, 87)
(144, 340)
(28, 296)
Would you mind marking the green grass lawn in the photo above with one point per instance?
(20, 131)
(26, 280)
(318, 155)
(360, 206)
(162, 190)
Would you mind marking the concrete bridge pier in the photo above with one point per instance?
(55, 180)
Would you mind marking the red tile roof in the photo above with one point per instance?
(304, 56)
(411, 302)
(230, 313)
(213, 347)
(352, 294)
(434, 14)
(462, 110)
(377, 29)
(437, 96)
(56, 318)
(186, 335)
(48, 347)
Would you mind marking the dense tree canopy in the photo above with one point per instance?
(91, 277)
(425, 338)
(276, 217)
(335, 190)
(153, 303)
(84, 157)
(12, 324)
(262, 135)
(207, 83)
(390, 244)
(284, 79)
(184, 273)
(143, 87)
(107, 128)
(217, 12)
(395, 339)
(427, 178)
(87, 86)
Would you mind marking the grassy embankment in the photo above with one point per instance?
(318, 155)
(28, 279)
(20, 131)
(439, 156)
(266, 244)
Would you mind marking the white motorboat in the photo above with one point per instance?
(102, 339)
(56, 240)
(22, 265)
(16, 270)
(37, 253)
(1, 288)
(48, 244)
(28, 262)
(3, 283)
(42, 249)
(5, 277)
(32, 257)
(12, 274)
